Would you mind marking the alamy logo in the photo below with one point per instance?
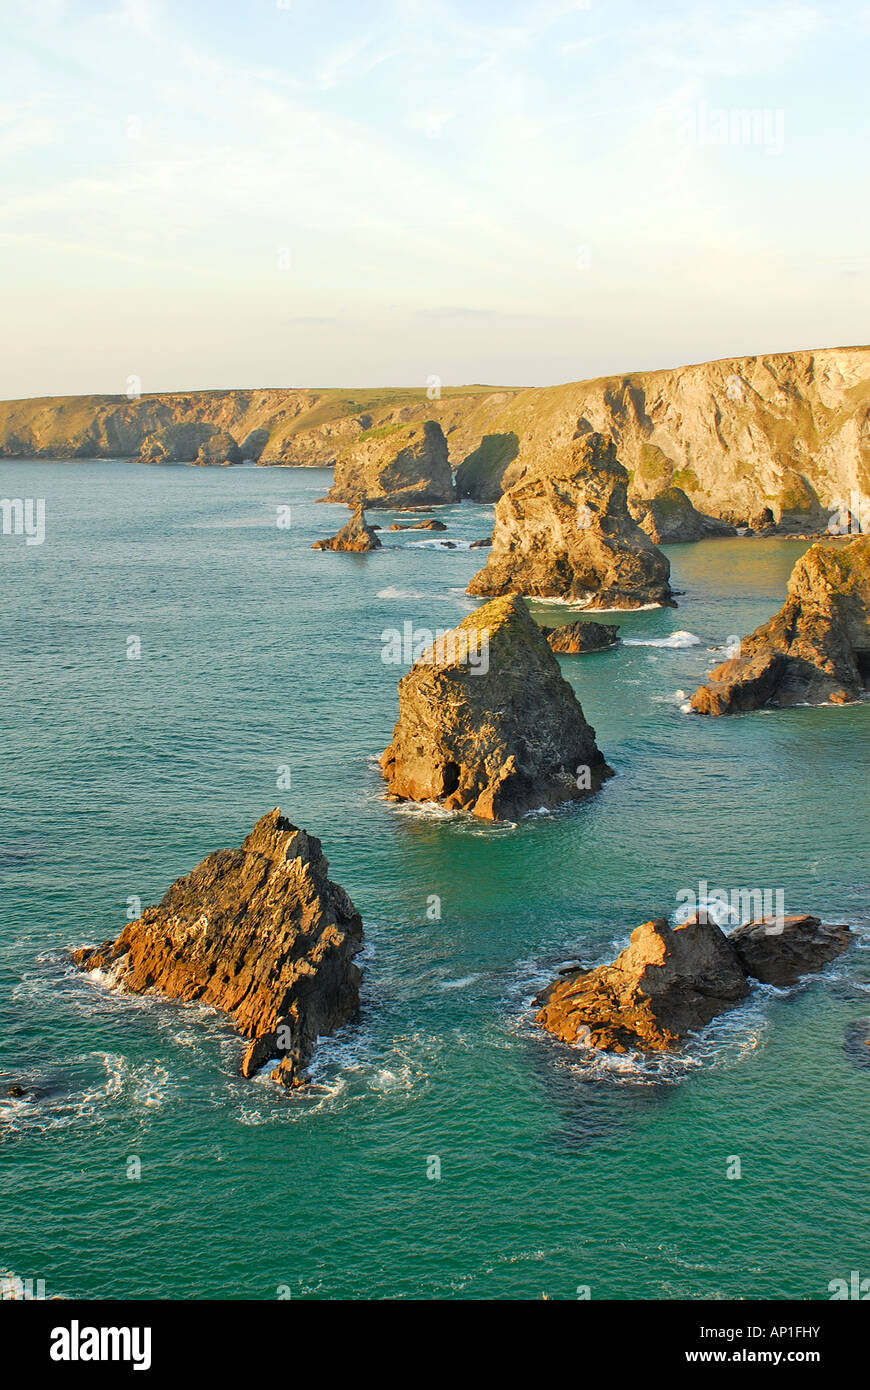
(763, 127)
(854, 1287)
(733, 906)
(24, 517)
(75, 1343)
(459, 647)
(14, 1289)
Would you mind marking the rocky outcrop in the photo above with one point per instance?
(357, 535)
(670, 981)
(176, 444)
(481, 475)
(259, 932)
(568, 534)
(815, 649)
(669, 518)
(399, 466)
(666, 983)
(430, 525)
(220, 449)
(575, 638)
(488, 724)
(779, 953)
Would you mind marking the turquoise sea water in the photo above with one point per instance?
(120, 774)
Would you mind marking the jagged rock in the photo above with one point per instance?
(575, 638)
(815, 649)
(667, 982)
(669, 518)
(670, 981)
(399, 465)
(568, 534)
(483, 544)
(179, 443)
(779, 952)
(259, 932)
(219, 449)
(16, 1092)
(357, 535)
(488, 724)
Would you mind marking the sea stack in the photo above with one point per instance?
(669, 518)
(259, 932)
(356, 536)
(816, 649)
(398, 465)
(573, 639)
(670, 981)
(567, 533)
(488, 724)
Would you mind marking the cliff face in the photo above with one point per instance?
(784, 436)
(567, 533)
(396, 466)
(259, 932)
(816, 648)
(488, 724)
(293, 427)
(788, 432)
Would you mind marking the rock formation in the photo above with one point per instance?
(815, 649)
(219, 449)
(488, 724)
(669, 518)
(670, 981)
(429, 525)
(579, 637)
(568, 534)
(178, 443)
(397, 466)
(357, 535)
(259, 932)
(779, 953)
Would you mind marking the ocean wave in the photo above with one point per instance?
(675, 642)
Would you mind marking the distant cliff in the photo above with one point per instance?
(748, 439)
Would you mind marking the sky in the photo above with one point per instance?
(240, 193)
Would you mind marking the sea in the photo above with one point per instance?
(176, 660)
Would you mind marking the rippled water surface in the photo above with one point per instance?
(120, 774)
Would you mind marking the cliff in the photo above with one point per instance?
(401, 465)
(815, 649)
(259, 932)
(782, 437)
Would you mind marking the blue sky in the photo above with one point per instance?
(301, 193)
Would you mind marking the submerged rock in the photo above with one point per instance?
(357, 535)
(575, 638)
(815, 649)
(259, 932)
(401, 465)
(669, 518)
(488, 724)
(779, 952)
(568, 534)
(670, 981)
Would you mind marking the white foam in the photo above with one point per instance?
(676, 641)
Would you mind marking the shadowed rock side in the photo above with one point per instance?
(357, 535)
(259, 932)
(575, 638)
(815, 649)
(669, 518)
(568, 534)
(396, 466)
(488, 724)
(671, 981)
